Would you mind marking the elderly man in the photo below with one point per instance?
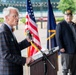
(11, 61)
(66, 40)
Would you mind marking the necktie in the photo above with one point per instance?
(13, 33)
(13, 29)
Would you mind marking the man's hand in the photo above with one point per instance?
(62, 50)
(29, 40)
(29, 36)
(29, 60)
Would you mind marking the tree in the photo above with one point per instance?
(67, 4)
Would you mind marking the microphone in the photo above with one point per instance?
(28, 34)
(53, 50)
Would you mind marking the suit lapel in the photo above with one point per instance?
(12, 39)
(6, 28)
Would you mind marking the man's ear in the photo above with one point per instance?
(6, 17)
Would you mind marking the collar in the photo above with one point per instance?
(8, 25)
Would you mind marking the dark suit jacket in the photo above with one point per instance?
(65, 38)
(11, 61)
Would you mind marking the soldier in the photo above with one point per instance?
(66, 40)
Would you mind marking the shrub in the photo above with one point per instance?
(59, 19)
(23, 20)
(1, 20)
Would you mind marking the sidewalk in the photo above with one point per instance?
(42, 34)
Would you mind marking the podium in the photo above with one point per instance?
(37, 67)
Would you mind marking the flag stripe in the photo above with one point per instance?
(32, 26)
(33, 31)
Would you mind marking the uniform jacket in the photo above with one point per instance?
(11, 61)
(65, 38)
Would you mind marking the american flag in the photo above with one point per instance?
(32, 27)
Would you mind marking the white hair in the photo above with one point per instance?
(6, 11)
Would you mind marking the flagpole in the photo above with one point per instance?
(49, 41)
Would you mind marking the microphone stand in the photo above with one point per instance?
(44, 59)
